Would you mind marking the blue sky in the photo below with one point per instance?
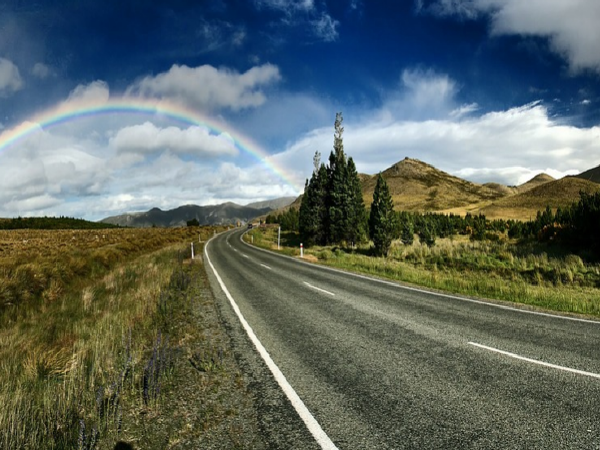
(489, 90)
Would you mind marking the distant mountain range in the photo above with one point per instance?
(226, 213)
(414, 185)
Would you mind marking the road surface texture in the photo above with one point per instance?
(381, 366)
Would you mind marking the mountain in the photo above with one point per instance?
(418, 186)
(591, 175)
(562, 192)
(277, 203)
(536, 181)
(226, 213)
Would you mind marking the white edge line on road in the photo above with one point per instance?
(535, 361)
(319, 289)
(311, 423)
(266, 267)
(438, 294)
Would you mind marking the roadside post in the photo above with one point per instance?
(278, 237)
(301, 250)
(192, 250)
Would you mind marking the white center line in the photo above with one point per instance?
(266, 267)
(535, 361)
(245, 256)
(318, 289)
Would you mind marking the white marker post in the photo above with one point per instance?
(301, 250)
(278, 237)
(192, 250)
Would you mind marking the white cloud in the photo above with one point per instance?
(207, 87)
(571, 26)
(287, 6)
(96, 92)
(10, 78)
(325, 27)
(426, 87)
(505, 146)
(41, 71)
(148, 138)
(464, 110)
(422, 94)
(306, 15)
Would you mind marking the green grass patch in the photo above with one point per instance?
(527, 275)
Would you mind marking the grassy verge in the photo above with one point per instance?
(133, 354)
(495, 270)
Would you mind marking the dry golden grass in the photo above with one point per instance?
(524, 206)
(497, 270)
(40, 264)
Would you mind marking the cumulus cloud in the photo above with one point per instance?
(96, 92)
(571, 26)
(504, 146)
(148, 138)
(209, 88)
(10, 78)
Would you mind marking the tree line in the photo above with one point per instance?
(332, 212)
(52, 223)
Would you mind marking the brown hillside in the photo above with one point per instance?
(501, 188)
(536, 181)
(591, 175)
(525, 205)
(417, 186)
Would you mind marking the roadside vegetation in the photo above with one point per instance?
(114, 337)
(550, 262)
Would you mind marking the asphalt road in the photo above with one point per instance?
(380, 366)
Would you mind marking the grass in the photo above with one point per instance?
(537, 276)
(108, 357)
(40, 265)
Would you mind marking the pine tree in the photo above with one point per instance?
(338, 197)
(313, 218)
(356, 231)
(382, 219)
(407, 232)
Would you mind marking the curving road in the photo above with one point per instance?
(381, 366)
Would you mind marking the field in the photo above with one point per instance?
(40, 264)
(537, 276)
(112, 335)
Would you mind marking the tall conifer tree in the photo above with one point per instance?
(356, 231)
(382, 220)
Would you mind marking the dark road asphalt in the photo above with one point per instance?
(381, 366)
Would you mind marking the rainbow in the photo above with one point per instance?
(74, 110)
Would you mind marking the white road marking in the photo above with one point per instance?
(319, 289)
(436, 294)
(535, 361)
(245, 256)
(266, 267)
(311, 423)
